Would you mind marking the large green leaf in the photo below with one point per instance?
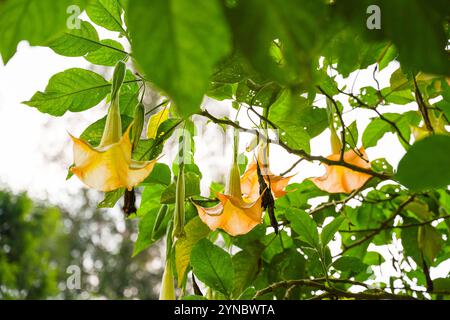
(106, 13)
(297, 119)
(195, 230)
(304, 226)
(77, 42)
(37, 21)
(148, 212)
(177, 43)
(416, 27)
(108, 54)
(330, 229)
(245, 264)
(297, 25)
(213, 266)
(72, 90)
(426, 165)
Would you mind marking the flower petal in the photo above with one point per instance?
(110, 167)
(235, 216)
(339, 179)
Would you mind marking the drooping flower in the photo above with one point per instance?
(339, 179)
(249, 180)
(235, 214)
(109, 166)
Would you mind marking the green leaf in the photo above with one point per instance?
(73, 90)
(108, 54)
(296, 24)
(373, 258)
(330, 229)
(430, 242)
(37, 21)
(111, 198)
(245, 265)
(160, 175)
(77, 42)
(349, 264)
(213, 266)
(93, 133)
(297, 120)
(192, 183)
(174, 40)
(305, 226)
(106, 13)
(425, 165)
(195, 230)
(147, 213)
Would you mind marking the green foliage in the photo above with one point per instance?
(425, 165)
(172, 44)
(213, 266)
(281, 62)
(72, 90)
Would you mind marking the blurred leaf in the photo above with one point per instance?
(349, 264)
(37, 21)
(174, 40)
(430, 242)
(213, 266)
(426, 164)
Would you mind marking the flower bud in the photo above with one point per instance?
(138, 124)
(178, 228)
(167, 284)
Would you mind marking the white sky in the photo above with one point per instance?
(36, 149)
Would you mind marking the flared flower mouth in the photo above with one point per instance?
(249, 180)
(339, 179)
(234, 214)
(109, 167)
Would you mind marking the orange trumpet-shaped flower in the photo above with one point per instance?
(109, 166)
(338, 179)
(234, 214)
(249, 180)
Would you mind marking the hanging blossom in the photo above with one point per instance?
(339, 179)
(109, 166)
(249, 180)
(235, 214)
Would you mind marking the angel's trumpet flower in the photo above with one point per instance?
(339, 179)
(249, 180)
(234, 214)
(109, 166)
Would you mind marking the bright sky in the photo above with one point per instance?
(36, 149)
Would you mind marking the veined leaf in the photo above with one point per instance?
(108, 54)
(72, 90)
(195, 230)
(213, 266)
(106, 13)
(77, 42)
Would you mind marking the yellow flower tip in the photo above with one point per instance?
(109, 167)
(338, 179)
(235, 215)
